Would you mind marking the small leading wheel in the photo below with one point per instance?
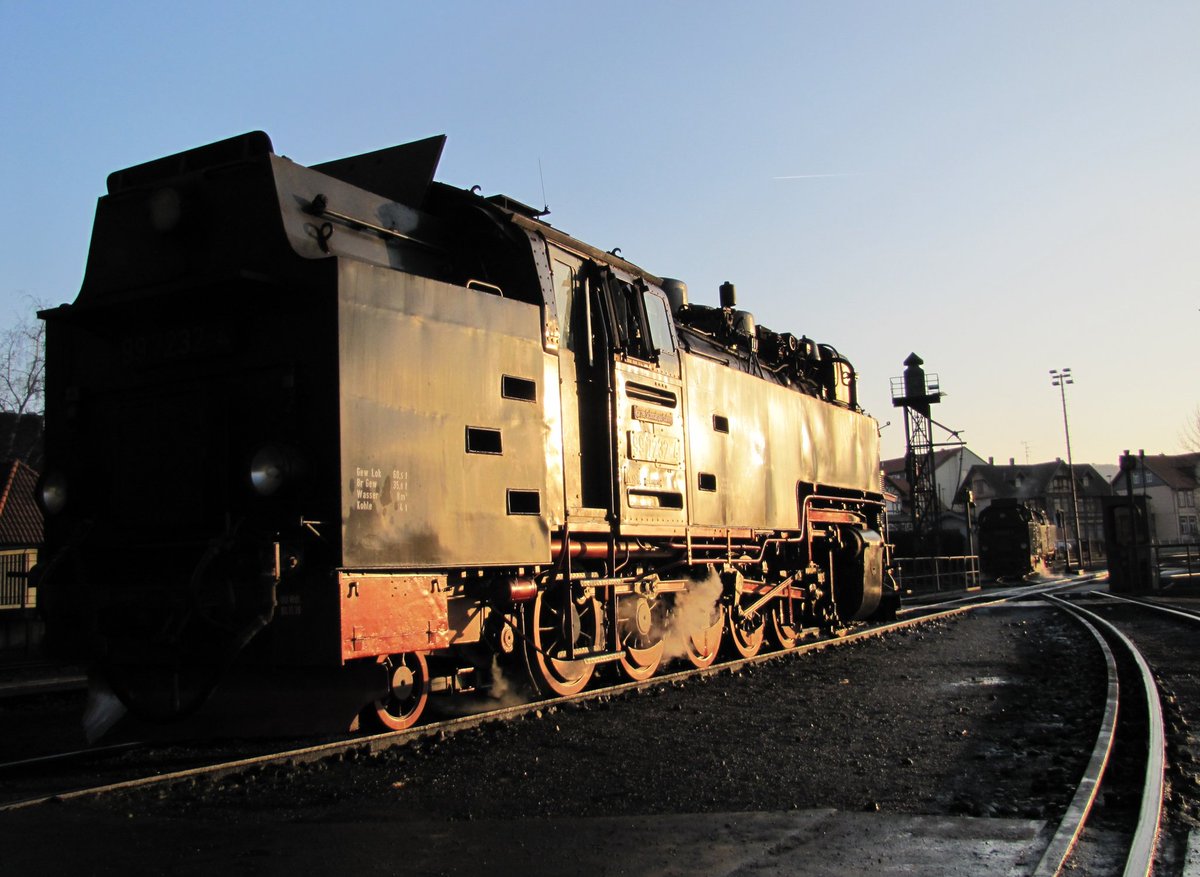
(784, 630)
(746, 636)
(408, 690)
(558, 619)
(641, 626)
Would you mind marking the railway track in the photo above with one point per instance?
(1132, 731)
(160, 770)
(1156, 686)
(1165, 633)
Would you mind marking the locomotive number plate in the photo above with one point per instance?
(650, 447)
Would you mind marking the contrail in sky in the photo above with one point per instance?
(813, 176)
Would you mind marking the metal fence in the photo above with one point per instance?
(937, 573)
(1176, 560)
(14, 578)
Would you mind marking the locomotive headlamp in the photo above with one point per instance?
(52, 492)
(272, 468)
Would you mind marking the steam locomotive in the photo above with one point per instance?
(345, 419)
(1016, 539)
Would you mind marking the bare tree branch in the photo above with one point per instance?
(23, 365)
(1190, 435)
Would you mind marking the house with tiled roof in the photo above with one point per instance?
(895, 495)
(20, 532)
(949, 466)
(1048, 487)
(1171, 485)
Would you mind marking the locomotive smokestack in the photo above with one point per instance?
(728, 295)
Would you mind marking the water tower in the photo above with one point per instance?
(915, 392)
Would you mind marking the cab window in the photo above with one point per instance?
(564, 297)
(660, 323)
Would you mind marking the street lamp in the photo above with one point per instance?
(1060, 379)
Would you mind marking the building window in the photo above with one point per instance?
(1188, 528)
(1186, 499)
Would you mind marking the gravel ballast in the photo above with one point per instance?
(992, 714)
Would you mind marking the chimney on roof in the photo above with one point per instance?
(991, 461)
(1012, 461)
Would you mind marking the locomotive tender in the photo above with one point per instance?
(345, 416)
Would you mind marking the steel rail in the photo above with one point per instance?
(1140, 859)
(1147, 604)
(373, 744)
(34, 688)
(1071, 826)
(73, 755)
(1008, 594)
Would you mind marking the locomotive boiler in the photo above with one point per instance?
(344, 419)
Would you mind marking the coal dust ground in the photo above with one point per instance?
(992, 714)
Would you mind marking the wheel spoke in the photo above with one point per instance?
(703, 645)
(696, 625)
(746, 642)
(784, 630)
(642, 623)
(551, 626)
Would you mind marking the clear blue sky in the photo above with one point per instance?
(1002, 187)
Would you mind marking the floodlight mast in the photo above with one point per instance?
(1060, 378)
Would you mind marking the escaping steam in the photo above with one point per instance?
(695, 610)
(501, 693)
(104, 709)
(504, 693)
